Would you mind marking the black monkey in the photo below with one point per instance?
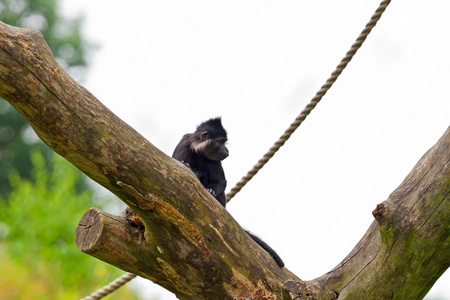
(203, 151)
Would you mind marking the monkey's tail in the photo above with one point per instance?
(266, 247)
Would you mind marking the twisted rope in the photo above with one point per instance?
(111, 287)
(312, 104)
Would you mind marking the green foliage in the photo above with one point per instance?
(61, 34)
(64, 38)
(37, 245)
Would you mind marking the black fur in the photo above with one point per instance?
(266, 247)
(203, 151)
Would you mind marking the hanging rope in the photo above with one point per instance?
(112, 287)
(311, 105)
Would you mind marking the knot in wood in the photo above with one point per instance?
(379, 213)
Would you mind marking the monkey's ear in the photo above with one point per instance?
(204, 135)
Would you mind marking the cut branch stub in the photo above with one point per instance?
(110, 238)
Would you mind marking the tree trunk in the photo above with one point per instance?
(182, 238)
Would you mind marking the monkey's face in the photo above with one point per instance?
(212, 148)
(216, 149)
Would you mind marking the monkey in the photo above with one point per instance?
(202, 151)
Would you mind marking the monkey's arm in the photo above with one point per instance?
(216, 183)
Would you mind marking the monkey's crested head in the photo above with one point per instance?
(214, 127)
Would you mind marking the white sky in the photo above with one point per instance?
(165, 66)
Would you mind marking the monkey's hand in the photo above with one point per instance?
(187, 165)
(212, 192)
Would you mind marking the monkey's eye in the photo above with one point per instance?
(221, 141)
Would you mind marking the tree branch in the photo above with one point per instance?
(183, 239)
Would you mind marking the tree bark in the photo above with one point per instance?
(182, 238)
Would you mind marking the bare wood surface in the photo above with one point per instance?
(185, 241)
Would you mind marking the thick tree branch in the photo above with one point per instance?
(183, 239)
